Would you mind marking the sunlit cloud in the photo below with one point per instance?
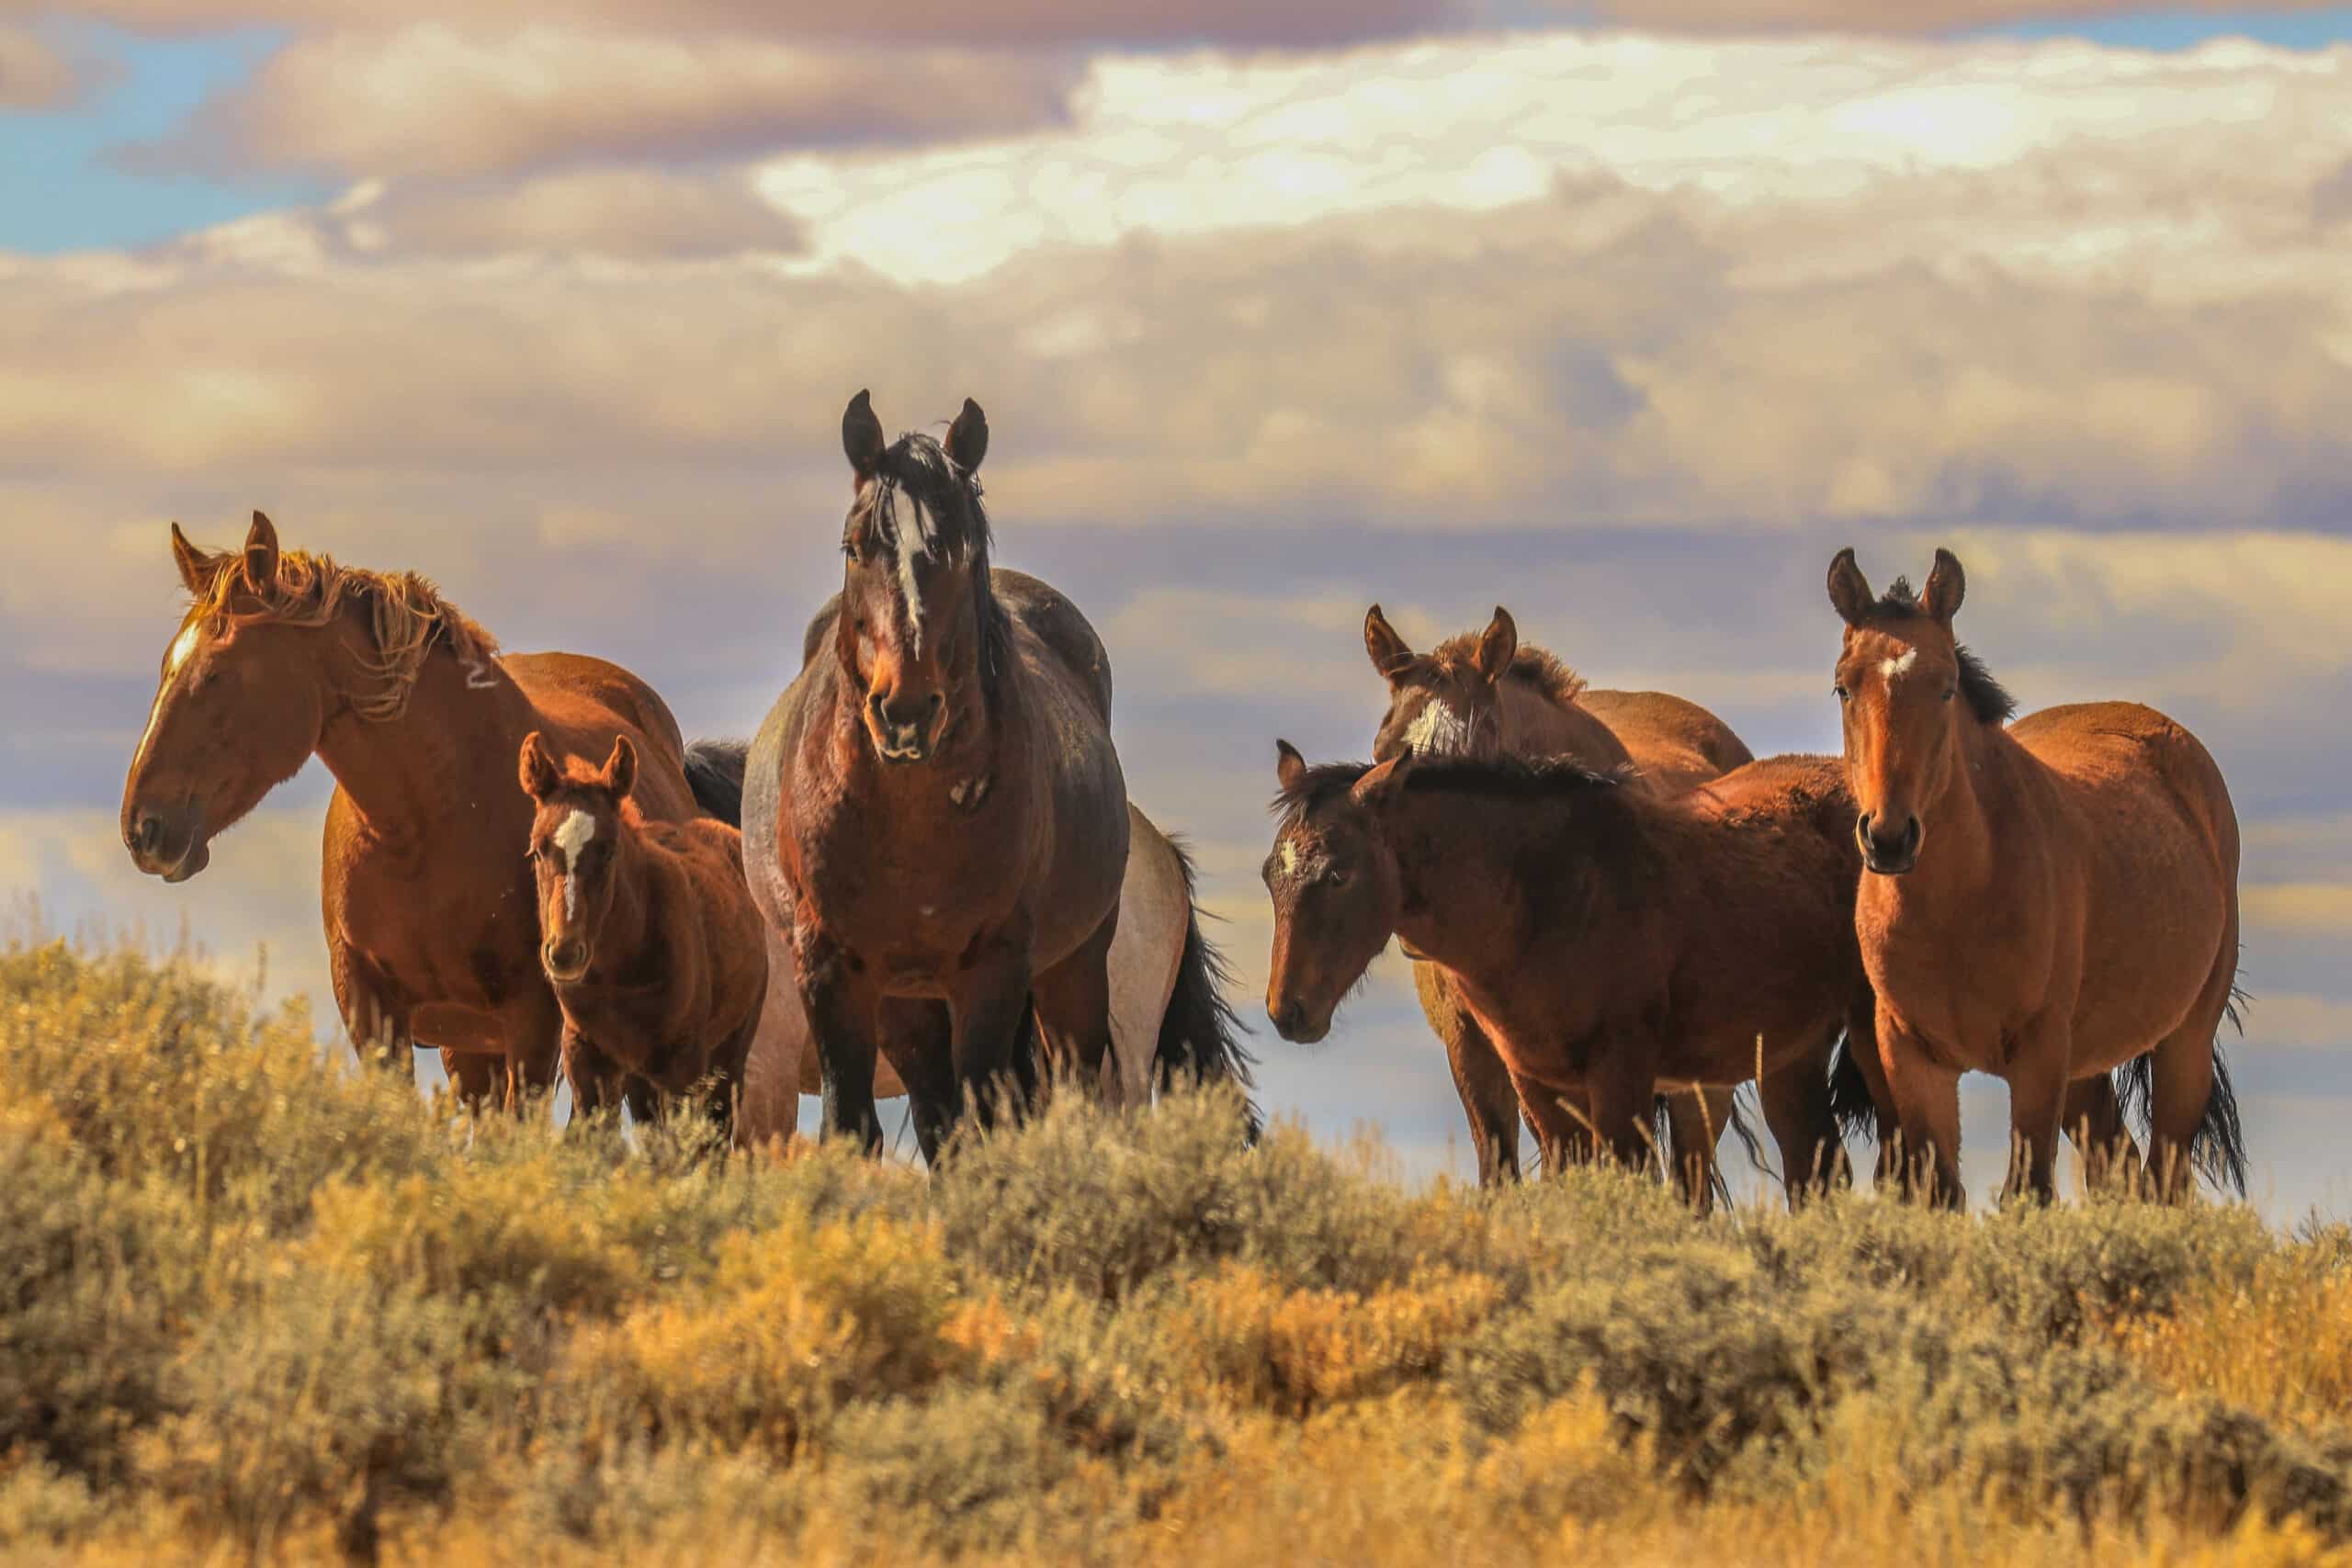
(33, 76)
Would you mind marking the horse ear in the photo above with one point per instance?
(196, 567)
(261, 554)
(967, 438)
(1377, 788)
(620, 768)
(1390, 655)
(1947, 586)
(862, 436)
(1849, 591)
(1289, 766)
(538, 773)
(1498, 646)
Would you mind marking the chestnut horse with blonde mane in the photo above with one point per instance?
(648, 934)
(934, 813)
(2047, 901)
(1484, 695)
(1606, 939)
(431, 936)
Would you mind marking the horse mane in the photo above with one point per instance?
(588, 777)
(1505, 777)
(1540, 671)
(949, 524)
(407, 618)
(1987, 698)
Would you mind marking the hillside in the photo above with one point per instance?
(258, 1304)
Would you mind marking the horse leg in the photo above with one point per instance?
(1622, 1093)
(475, 1076)
(2038, 1079)
(644, 1102)
(379, 1027)
(842, 1009)
(2183, 1086)
(918, 1043)
(1695, 1119)
(596, 1080)
(1561, 1121)
(988, 1010)
(1926, 1096)
(2095, 1121)
(1797, 1110)
(1073, 1003)
(1490, 1098)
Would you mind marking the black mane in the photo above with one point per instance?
(1510, 778)
(922, 498)
(1987, 698)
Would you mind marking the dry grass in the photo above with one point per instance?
(259, 1306)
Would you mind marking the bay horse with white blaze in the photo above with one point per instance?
(934, 812)
(1487, 695)
(1605, 938)
(431, 936)
(646, 934)
(2046, 900)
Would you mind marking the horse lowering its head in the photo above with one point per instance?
(584, 819)
(262, 662)
(919, 631)
(1906, 686)
(1447, 701)
(1336, 887)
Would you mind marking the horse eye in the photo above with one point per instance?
(1949, 691)
(1843, 695)
(1334, 877)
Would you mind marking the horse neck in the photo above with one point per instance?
(1536, 726)
(1455, 853)
(639, 872)
(1986, 770)
(446, 764)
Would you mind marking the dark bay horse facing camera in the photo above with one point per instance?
(1487, 695)
(431, 935)
(2047, 900)
(934, 812)
(648, 934)
(1607, 939)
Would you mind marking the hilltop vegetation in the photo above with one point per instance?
(258, 1304)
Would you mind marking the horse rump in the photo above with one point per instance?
(715, 774)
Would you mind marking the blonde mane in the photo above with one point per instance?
(406, 616)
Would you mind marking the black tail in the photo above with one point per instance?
(715, 774)
(1199, 1032)
(2217, 1149)
(1850, 1105)
(1735, 1122)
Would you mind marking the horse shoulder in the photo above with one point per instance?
(1058, 624)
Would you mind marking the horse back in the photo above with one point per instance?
(2130, 770)
(586, 701)
(1535, 725)
(1675, 742)
(1061, 627)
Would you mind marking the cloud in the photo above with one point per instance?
(33, 76)
(1882, 16)
(434, 100)
(632, 214)
(1029, 23)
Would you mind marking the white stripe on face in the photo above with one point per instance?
(572, 838)
(1437, 730)
(910, 547)
(1894, 669)
(183, 649)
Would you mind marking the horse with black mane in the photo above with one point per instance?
(934, 813)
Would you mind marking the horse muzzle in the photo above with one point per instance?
(1885, 856)
(1291, 1021)
(564, 959)
(166, 842)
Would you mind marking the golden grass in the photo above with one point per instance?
(259, 1306)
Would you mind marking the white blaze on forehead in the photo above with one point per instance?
(1893, 669)
(183, 649)
(1289, 859)
(183, 646)
(1437, 730)
(572, 838)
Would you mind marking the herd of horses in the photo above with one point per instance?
(924, 877)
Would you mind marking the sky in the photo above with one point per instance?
(1626, 315)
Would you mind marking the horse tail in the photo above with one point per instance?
(1735, 1122)
(1850, 1105)
(2217, 1149)
(1199, 1032)
(715, 774)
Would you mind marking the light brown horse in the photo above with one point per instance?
(1606, 938)
(431, 933)
(2047, 900)
(646, 934)
(1484, 695)
(934, 810)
